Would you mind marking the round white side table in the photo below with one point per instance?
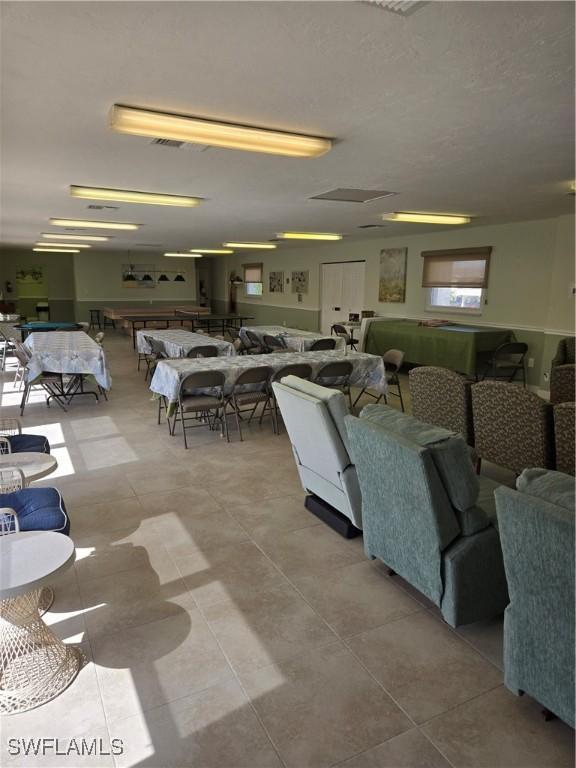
(34, 466)
(35, 665)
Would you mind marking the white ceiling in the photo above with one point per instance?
(463, 107)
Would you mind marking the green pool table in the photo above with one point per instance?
(458, 347)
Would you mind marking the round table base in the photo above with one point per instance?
(46, 600)
(35, 665)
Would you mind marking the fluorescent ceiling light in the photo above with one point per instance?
(308, 236)
(426, 218)
(65, 245)
(130, 196)
(57, 250)
(211, 250)
(253, 246)
(185, 255)
(145, 122)
(92, 224)
(88, 238)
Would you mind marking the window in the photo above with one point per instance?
(456, 279)
(252, 279)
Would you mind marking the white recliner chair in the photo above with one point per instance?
(314, 419)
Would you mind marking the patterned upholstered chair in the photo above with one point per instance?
(564, 438)
(513, 427)
(565, 353)
(562, 383)
(536, 524)
(442, 397)
(426, 514)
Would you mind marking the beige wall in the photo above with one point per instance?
(532, 269)
(532, 265)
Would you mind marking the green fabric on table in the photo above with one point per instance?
(452, 346)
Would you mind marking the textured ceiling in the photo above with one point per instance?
(463, 107)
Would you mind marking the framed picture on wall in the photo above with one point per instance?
(300, 281)
(276, 282)
(392, 283)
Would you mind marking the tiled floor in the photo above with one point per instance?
(225, 627)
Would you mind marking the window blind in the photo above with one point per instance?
(461, 267)
(252, 273)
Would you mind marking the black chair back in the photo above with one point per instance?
(302, 370)
(204, 351)
(320, 344)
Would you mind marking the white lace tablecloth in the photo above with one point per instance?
(368, 370)
(297, 340)
(177, 342)
(67, 352)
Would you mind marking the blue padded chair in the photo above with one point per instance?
(536, 524)
(11, 432)
(37, 509)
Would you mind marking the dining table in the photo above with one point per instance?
(367, 370)
(295, 339)
(73, 354)
(177, 342)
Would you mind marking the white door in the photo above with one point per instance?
(342, 292)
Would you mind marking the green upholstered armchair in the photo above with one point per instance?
(537, 533)
(426, 514)
(442, 397)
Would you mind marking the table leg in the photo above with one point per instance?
(35, 665)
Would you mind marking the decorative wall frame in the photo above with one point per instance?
(276, 282)
(392, 280)
(300, 281)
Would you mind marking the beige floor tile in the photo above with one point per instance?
(215, 728)
(111, 516)
(93, 488)
(286, 513)
(77, 712)
(115, 551)
(157, 478)
(266, 628)
(184, 534)
(309, 551)
(487, 638)
(356, 598)
(189, 500)
(252, 488)
(227, 573)
(408, 750)
(131, 598)
(500, 730)
(149, 665)
(322, 708)
(425, 667)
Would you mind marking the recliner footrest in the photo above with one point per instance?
(336, 520)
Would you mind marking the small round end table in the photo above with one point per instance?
(35, 665)
(34, 466)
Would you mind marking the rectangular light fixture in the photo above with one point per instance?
(162, 125)
(426, 218)
(65, 245)
(56, 250)
(211, 250)
(253, 246)
(92, 224)
(184, 255)
(308, 236)
(131, 196)
(87, 238)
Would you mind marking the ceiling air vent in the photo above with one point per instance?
(402, 7)
(350, 195)
(103, 207)
(148, 245)
(372, 226)
(170, 143)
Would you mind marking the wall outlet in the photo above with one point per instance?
(546, 376)
(530, 362)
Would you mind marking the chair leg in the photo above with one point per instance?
(225, 421)
(183, 427)
(238, 419)
(360, 395)
(400, 396)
